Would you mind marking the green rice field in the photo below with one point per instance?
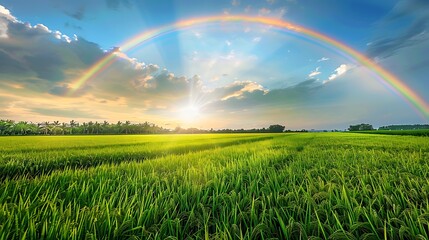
(215, 186)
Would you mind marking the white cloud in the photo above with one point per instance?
(264, 11)
(245, 87)
(343, 68)
(42, 27)
(37, 30)
(5, 13)
(275, 13)
(228, 43)
(256, 39)
(235, 3)
(3, 29)
(66, 38)
(314, 73)
(323, 59)
(5, 17)
(57, 34)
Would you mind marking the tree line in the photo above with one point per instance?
(405, 127)
(13, 128)
(10, 127)
(361, 127)
(367, 127)
(276, 128)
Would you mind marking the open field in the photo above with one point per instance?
(417, 132)
(251, 186)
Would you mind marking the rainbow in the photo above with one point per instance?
(386, 77)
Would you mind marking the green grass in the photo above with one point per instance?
(233, 186)
(417, 132)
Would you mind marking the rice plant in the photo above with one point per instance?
(262, 186)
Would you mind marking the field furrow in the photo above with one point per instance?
(40, 161)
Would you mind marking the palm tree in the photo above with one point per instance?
(6, 127)
(119, 126)
(127, 126)
(20, 128)
(63, 127)
(72, 125)
(90, 127)
(45, 127)
(97, 127)
(55, 127)
(85, 128)
(105, 127)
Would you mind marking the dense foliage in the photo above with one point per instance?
(361, 127)
(251, 186)
(405, 127)
(12, 128)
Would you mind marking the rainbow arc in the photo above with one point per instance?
(385, 76)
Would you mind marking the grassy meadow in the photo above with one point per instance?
(215, 186)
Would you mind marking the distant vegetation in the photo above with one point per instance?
(361, 127)
(414, 130)
(405, 127)
(418, 132)
(12, 128)
(215, 186)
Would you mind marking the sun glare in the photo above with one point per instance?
(190, 113)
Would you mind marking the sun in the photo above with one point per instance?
(190, 113)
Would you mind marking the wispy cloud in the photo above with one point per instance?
(314, 73)
(341, 70)
(78, 13)
(275, 13)
(414, 16)
(323, 59)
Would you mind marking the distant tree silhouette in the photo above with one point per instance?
(361, 127)
(405, 127)
(276, 128)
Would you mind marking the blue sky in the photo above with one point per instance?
(222, 75)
